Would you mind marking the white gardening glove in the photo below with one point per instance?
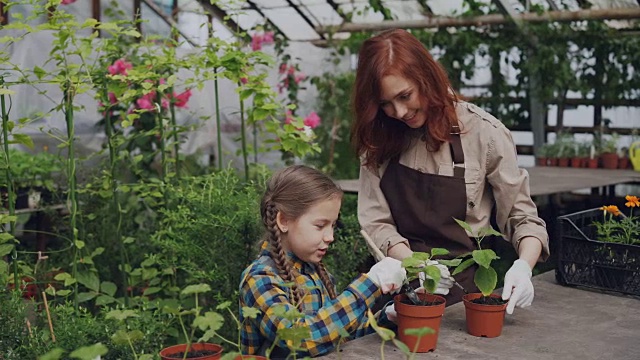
(390, 310)
(391, 313)
(388, 274)
(518, 288)
(446, 280)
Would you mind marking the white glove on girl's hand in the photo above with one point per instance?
(388, 274)
(446, 281)
(518, 288)
(390, 310)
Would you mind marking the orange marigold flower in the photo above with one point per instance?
(632, 201)
(611, 209)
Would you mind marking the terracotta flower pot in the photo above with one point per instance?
(592, 163)
(483, 320)
(250, 357)
(623, 162)
(609, 160)
(576, 162)
(552, 162)
(541, 161)
(176, 351)
(563, 162)
(419, 316)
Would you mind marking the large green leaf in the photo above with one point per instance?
(486, 280)
(196, 289)
(463, 266)
(89, 279)
(90, 352)
(484, 257)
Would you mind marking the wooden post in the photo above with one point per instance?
(137, 14)
(96, 13)
(4, 15)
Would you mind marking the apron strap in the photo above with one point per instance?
(457, 155)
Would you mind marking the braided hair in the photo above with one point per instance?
(292, 191)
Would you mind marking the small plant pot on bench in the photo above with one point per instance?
(412, 316)
(198, 351)
(484, 320)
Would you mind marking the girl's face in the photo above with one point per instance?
(400, 100)
(309, 236)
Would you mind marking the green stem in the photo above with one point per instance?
(12, 210)
(114, 194)
(186, 336)
(255, 143)
(215, 91)
(174, 126)
(71, 167)
(160, 123)
(243, 134)
(135, 355)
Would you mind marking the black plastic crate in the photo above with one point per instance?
(583, 261)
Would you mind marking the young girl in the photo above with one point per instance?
(299, 210)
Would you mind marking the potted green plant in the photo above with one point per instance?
(208, 322)
(33, 176)
(542, 154)
(609, 151)
(427, 314)
(485, 311)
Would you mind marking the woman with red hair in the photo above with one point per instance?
(428, 157)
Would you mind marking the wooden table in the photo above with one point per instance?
(563, 323)
(545, 180)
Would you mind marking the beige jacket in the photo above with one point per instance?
(492, 176)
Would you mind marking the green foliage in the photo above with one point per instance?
(336, 157)
(30, 170)
(420, 263)
(486, 278)
(209, 231)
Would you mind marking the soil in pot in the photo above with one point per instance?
(198, 351)
(412, 316)
(484, 320)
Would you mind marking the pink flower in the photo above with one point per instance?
(291, 70)
(268, 37)
(165, 103)
(288, 118)
(67, 2)
(112, 98)
(144, 103)
(299, 77)
(283, 68)
(182, 98)
(244, 80)
(256, 42)
(312, 120)
(119, 67)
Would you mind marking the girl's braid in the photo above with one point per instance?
(277, 253)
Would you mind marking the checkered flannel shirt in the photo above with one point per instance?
(262, 288)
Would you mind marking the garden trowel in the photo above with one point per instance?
(378, 255)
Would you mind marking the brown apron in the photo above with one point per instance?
(423, 207)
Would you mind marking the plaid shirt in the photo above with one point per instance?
(262, 288)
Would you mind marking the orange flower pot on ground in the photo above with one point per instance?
(250, 357)
(198, 351)
(419, 316)
(484, 320)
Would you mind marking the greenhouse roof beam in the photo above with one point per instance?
(169, 20)
(253, 6)
(304, 17)
(216, 11)
(491, 19)
(507, 9)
